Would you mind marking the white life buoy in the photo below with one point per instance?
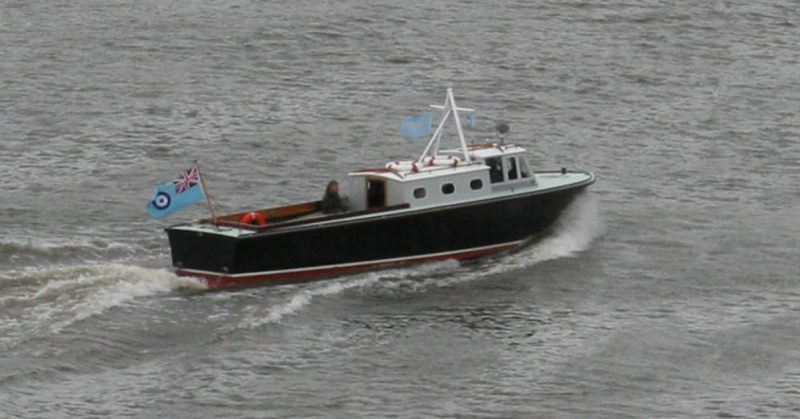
(442, 161)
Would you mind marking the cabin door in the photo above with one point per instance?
(376, 193)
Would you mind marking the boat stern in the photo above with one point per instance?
(201, 249)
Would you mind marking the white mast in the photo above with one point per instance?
(449, 108)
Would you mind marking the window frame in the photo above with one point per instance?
(523, 163)
(513, 168)
(472, 184)
(495, 170)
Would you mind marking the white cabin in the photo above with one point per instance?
(492, 169)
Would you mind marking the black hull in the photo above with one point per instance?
(387, 236)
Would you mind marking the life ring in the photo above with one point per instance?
(254, 218)
(442, 161)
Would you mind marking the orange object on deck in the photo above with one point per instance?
(254, 218)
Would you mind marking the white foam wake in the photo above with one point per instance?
(573, 233)
(303, 297)
(16, 250)
(48, 300)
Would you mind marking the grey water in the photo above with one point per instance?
(670, 289)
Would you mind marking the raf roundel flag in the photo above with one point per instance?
(173, 196)
(417, 126)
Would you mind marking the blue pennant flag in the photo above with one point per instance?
(173, 196)
(417, 126)
(469, 121)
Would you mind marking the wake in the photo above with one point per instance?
(45, 301)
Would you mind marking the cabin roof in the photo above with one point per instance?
(403, 171)
(423, 172)
(488, 150)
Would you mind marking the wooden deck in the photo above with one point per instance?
(292, 215)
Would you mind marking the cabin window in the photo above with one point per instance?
(495, 169)
(512, 169)
(523, 168)
(448, 188)
(476, 184)
(376, 193)
(419, 193)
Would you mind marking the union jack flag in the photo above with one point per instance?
(186, 180)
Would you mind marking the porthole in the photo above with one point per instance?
(419, 193)
(448, 188)
(476, 184)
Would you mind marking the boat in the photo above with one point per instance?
(477, 199)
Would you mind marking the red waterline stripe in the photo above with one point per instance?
(216, 280)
